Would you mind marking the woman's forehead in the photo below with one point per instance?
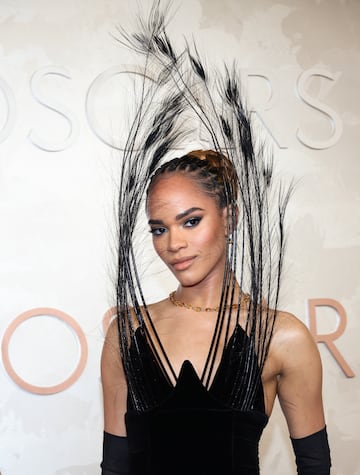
(175, 184)
(178, 191)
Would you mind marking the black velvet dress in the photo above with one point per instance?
(191, 430)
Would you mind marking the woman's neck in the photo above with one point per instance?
(206, 295)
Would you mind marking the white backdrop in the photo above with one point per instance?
(64, 100)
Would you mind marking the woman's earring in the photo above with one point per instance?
(229, 239)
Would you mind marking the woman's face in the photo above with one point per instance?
(188, 230)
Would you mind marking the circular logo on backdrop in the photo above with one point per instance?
(45, 351)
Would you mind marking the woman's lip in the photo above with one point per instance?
(183, 264)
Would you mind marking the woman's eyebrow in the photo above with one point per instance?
(187, 212)
(155, 221)
(178, 217)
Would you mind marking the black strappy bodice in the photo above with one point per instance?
(188, 429)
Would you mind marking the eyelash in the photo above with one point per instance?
(189, 223)
(157, 231)
(195, 220)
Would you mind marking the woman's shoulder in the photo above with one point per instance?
(159, 305)
(290, 330)
(157, 310)
(288, 324)
(291, 339)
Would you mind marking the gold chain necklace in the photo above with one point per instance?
(188, 306)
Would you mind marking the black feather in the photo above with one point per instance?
(226, 128)
(197, 67)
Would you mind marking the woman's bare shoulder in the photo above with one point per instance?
(159, 305)
(160, 310)
(288, 325)
(292, 339)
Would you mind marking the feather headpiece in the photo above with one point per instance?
(184, 91)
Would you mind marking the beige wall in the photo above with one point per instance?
(63, 101)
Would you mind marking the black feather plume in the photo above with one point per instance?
(179, 100)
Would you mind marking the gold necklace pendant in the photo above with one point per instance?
(188, 306)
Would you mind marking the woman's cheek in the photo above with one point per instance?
(158, 247)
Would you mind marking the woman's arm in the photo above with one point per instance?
(115, 450)
(300, 395)
(113, 383)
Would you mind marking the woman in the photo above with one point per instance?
(189, 428)
(189, 382)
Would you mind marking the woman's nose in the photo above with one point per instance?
(176, 241)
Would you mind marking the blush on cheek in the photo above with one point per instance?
(215, 240)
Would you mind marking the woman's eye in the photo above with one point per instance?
(157, 231)
(192, 222)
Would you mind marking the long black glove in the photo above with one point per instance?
(115, 455)
(312, 454)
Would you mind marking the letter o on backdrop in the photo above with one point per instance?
(63, 317)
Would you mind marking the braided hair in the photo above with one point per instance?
(211, 170)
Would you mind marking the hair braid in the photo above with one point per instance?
(212, 171)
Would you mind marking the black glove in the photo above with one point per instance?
(115, 455)
(312, 454)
